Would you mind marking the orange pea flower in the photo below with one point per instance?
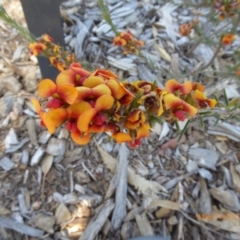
(126, 35)
(145, 87)
(60, 94)
(93, 87)
(178, 107)
(105, 74)
(226, 8)
(238, 71)
(135, 119)
(93, 120)
(118, 41)
(173, 86)
(228, 38)
(119, 92)
(185, 29)
(101, 83)
(74, 76)
(128, 42)
(203, 101)
(57, 63)
(198, 86)
(51, 119)
(141, 132)
(47, 38)
(140, 43)
(37, 48)
(74, 111)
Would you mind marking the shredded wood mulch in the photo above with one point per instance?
(50, 188)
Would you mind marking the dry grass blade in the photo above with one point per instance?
(162, 53)
(46, 163)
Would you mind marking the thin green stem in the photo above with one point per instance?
(11, 22)
(201, 38)
(213, 57)
(106, 15)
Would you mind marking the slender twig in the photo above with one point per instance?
(233, 30)
(194, 47)
(214, 56)
(200, 40)
(24, 32)
(43, 187)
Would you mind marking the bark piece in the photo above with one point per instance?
(20, 227)
(98, 221)
(121, 192)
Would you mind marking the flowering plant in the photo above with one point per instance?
(88, 103)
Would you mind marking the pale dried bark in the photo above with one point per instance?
(20, 227)
(98, 221)
(119, 212)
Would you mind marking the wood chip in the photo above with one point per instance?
(31, 127)
(204, 202)
(45, 222)
(235, 178)
(119, 211)
(165, 204)
(147, 187)
(62, 214)
(205, 158)
(144, 226)
(228, 198)
(37, 156)
(6, 163)
(96, 224)
(8, 223)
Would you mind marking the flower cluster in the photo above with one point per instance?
(94, 102)
(186, 28)
(228, 38)
(129, 44)
(58, 58)
(227, 8)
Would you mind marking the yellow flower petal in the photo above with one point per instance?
(83, 93)
(77, 109)
(67, 93)
(173, 102)
(104, 102)
(173, 86)
(54, 118)
(122, 137)
(100, 90)
(93, 81)
(46, 88)
(80, 139)
(85, 119)
(36, 105)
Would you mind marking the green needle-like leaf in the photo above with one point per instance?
(183, 131)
